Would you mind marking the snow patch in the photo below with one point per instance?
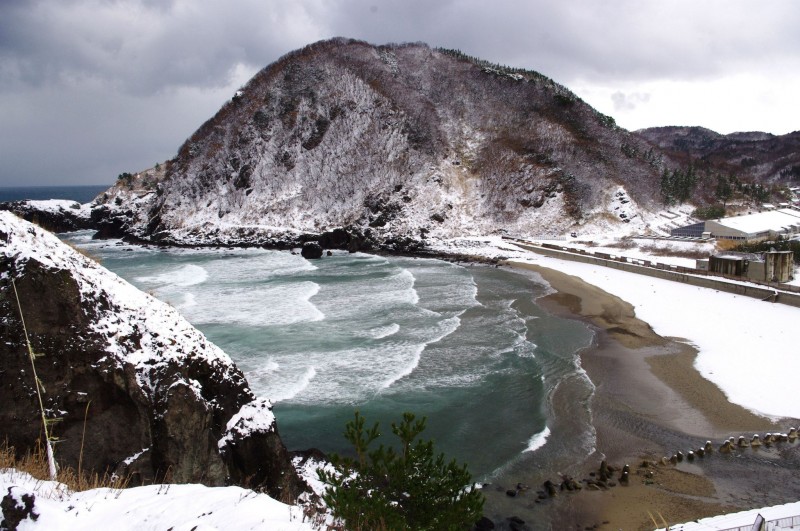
(152, 507)
(253, 417)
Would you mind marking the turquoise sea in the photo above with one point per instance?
(465, 346)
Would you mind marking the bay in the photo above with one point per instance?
(465, 346)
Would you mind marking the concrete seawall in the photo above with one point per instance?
(678, 274)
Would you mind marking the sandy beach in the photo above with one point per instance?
(650, 402)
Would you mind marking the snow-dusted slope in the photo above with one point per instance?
(152, 507)
(395, 142)
(158, 399)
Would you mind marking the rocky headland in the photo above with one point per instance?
(131, 387)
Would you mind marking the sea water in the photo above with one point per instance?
(465, 346)
(81, 193)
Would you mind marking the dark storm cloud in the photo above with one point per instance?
(90, 87)
(134, 46)
(588, 38)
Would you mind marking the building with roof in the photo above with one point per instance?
(772, 266)
(749, 227)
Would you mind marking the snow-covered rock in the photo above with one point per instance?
(137, 389)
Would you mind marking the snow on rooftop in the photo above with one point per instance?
(762, 221)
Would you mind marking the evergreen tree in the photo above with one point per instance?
(405, 489)
(724, 189)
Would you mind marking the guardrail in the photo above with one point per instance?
(788, 522)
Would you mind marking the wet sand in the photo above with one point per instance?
(650, 402)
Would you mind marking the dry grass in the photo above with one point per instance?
(668, 251)
(35, 463)
(82, 251)
(727, 245)
(624, 243)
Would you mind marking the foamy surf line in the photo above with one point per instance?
(538, 440)
(382, 332)
(455, 323)
(260, 306)
(188, 275)
(294, 390)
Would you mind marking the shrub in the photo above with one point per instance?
(393, 489)
(709, 212)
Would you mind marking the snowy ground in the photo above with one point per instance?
(156, 507)
(745, 345)
(778, 517)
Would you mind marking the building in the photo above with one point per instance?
(695, 230)
(747, 228)
(772, 266)
(756, 227)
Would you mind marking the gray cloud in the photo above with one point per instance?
(91, 88)
(628, 102)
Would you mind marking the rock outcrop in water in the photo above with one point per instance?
(154, 398)
(392, 145)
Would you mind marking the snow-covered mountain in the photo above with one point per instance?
(135, 388)
(757, 156)
(393, 143)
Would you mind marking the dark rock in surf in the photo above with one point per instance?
(311, 250)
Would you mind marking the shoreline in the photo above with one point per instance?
(677, 399)
(643, 379)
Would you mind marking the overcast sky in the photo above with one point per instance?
(92, 88)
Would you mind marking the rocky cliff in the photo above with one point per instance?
(133, 385)
(394, 144)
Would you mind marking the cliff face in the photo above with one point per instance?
(154, 398)
(391, 142)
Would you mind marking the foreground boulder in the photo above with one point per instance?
(135, 387)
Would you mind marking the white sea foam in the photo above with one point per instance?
(443, 329)
(444, 288)
(189, 300)
(345, 376)
(369, 297)
(406, 370)
(259, 305)
(184, 276)
(407, 279)
(256, 266)
(294, 388)
(538, 440)
(381, 332)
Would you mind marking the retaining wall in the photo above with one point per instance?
(692, 277)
